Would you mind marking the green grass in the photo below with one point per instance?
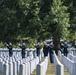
(50, 70)
(34, 73)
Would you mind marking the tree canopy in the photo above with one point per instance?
(37, 19)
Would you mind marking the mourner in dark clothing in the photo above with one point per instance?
(9, 46)
(23, 47)
(37, 46)
(65, 48)
(45, 49)
(51, 55)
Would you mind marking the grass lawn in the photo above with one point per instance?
(50, 69)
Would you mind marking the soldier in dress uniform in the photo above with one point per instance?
(45, 49)
(62, 46)
(9, 46)
(23, 47)
(37, 46)
(65, 48)
(51, 54)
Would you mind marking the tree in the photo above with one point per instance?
(8, 21)
(57, 22)
(71, 4)
(12, 18)
(34, 24)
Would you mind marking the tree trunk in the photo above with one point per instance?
(56, 41)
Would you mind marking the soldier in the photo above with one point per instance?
(37, 46)
(9, 46)
(65, 48)
(45, 49)
(51, 48)
(23, 47)
(62, 46)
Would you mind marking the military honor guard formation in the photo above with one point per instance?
(24, 61)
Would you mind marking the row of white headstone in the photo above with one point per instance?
(18, 51)
(25, 68)
(59, 68)
(15, 64)
(72, 57)
(69, 62)
(42, 67)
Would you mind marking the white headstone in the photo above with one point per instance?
(22, 69)
(6, 69)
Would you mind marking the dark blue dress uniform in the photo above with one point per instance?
(23, 47)
(10, 50)
(62, 46)
(65, 49)
(51, 54)
(45, 50)
(37, 49)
